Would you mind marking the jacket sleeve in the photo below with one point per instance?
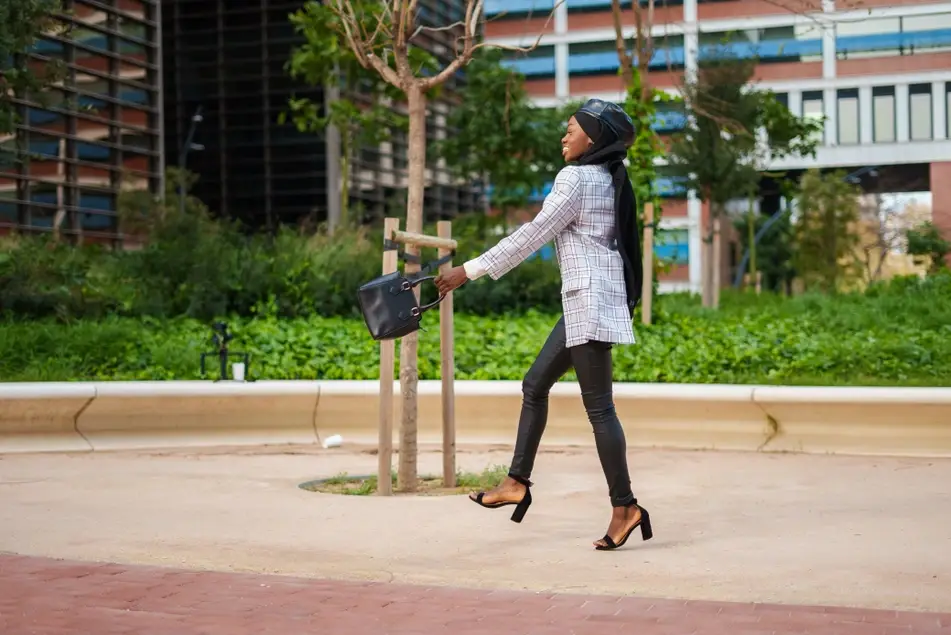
(562, 206)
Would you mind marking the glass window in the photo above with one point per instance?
(775, 44)
(812, 106)
(883, 114)
(50, 48)
(538, 62)
(43, 146)
(97, 210)
(865, 26)
(45, 199)
(673, 245)
(90, 38)
(920, 112)
(669, 117)
(929, 22)
(884, 37)
(132, 30)
(9, 208)
(94, 153)
(947, 107)
(399, 142)
(848, 116)
(135, 162)
(46, 119)
(8, 154)
(132, 140)
(92, 61)
(131, 71)
(134, 8)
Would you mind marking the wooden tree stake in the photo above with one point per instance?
(647, 291)
(448, 370)
(717, 259)
(387, 359)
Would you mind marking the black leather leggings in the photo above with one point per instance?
(592, 364)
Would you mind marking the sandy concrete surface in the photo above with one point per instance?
(728, 526)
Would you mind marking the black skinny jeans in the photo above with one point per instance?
(592, 364)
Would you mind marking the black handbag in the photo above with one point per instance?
(389, 306)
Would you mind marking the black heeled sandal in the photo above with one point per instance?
(520, 507)
(646, 532)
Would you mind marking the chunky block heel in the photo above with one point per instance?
(646, 531)
(644, 523)
(520, 506)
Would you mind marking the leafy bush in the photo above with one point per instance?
(897, 333)
(195, 267)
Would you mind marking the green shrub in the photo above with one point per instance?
(195, 267)
(898, 333)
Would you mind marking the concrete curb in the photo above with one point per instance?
(81, 416)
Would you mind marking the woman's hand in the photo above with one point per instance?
(451, 280)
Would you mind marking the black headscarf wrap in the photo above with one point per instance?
(613, 134)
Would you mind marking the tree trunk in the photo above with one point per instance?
(751, 235)
(346, 160)
(706, 264)
(409, 374)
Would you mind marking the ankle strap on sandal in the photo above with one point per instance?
(520, 479)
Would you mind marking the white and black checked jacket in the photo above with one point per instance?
(579, 215)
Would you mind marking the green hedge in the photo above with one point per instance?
(899, 334)
(199, 268)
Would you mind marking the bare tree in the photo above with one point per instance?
(381, 36)
(643, 42)
(884, 223)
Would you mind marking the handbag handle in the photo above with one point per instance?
(412, 282)
(432, 304)
(416, 281)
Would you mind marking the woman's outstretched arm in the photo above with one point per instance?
(561, 207)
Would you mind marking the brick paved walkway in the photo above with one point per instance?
(53, 597)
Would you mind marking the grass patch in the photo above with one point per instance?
(428, 484)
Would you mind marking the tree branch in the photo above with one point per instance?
(436, 29)
(627, 62)
(473, 11)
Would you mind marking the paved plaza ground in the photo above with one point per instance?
(812, 534)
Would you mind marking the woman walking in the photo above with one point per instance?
(590, 214)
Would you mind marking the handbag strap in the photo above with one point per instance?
(425, 268)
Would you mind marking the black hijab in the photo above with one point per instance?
(612, 132)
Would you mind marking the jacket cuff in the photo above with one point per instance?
(474, 270)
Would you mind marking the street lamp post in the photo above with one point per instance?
(183, 156)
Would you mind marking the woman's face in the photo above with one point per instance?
(575, 141)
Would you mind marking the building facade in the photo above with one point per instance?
(878, 70)
(141, 75)
(93, 133)
(229, 60)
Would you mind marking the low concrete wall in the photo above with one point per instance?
(195, 413)
(668, 415)
(42, 416)
(115, 415)
(870, 421)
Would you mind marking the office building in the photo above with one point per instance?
(229, 60)
(95, 132)
(878, 70)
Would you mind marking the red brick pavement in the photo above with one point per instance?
(53, 597)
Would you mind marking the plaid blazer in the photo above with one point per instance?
(579, 215)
